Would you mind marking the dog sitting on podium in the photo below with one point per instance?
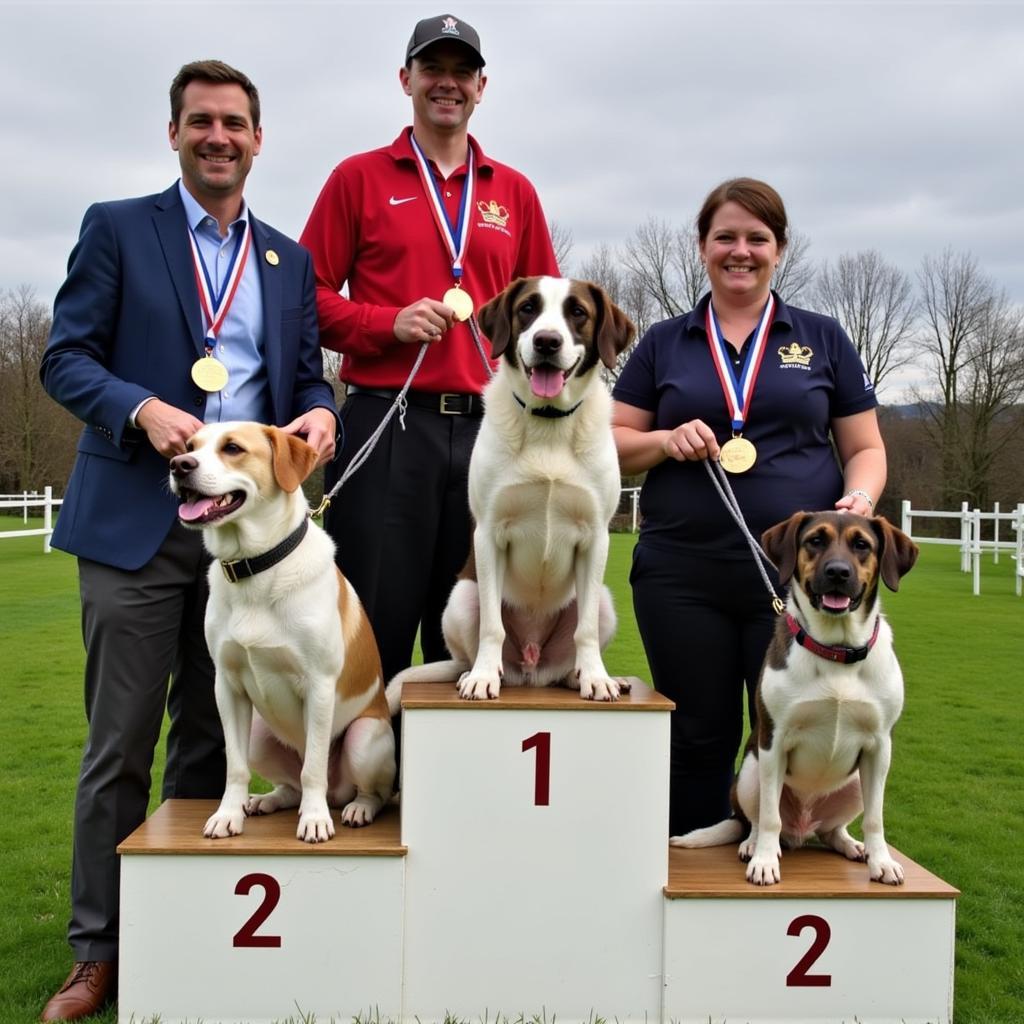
(298, 682)
(829, 695)
(530, 608)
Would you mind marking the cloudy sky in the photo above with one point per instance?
(895, 126)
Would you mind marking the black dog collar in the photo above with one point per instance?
(243, 568)
(548, 412)
(831, 652)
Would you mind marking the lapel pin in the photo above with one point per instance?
(272, 258)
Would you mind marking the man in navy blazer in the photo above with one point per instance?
(159, 288)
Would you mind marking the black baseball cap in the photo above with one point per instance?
(440, 28)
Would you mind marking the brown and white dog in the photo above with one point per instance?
(288, 637)
(531, 607)
(829, 695)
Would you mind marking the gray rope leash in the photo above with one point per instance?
(721, 481)
(399, 405)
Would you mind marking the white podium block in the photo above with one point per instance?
(536, 826)
(826, 945)
(259, 927)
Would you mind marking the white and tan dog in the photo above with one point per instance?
(830, 693)
(531, 607)
(287, 635)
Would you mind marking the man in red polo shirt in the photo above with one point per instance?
(421, 231)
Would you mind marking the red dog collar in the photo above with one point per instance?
(831, 652)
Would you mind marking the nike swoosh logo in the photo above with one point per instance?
(398, 202)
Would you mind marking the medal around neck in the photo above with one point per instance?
(737, 455)
(460, 301)
(209, 373)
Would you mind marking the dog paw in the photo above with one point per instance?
(225, 822)
(360, 811)
(763, 869)
(599, 688)
(852, 849)
(315, 825)
(885, 869)
(474, 686)
(746, 849)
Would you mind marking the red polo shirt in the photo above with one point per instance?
(372, 226)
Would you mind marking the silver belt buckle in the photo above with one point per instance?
(445, 396)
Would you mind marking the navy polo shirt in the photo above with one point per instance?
(810, 374)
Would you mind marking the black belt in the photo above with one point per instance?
(448, 403)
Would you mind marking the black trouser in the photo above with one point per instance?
(141, 628)
(705, 625)
(401, 523)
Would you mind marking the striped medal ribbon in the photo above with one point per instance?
(738, 454)
(208, 372)
(455, 236)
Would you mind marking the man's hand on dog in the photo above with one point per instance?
(316, 428)
(167, 427)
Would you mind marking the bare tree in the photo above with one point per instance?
(561, 242)
(795, 272)
(626, 290)
(36, 435)
(873, 300)
(973, 337)
(651, 254)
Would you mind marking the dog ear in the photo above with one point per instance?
(897, 552)
(613, 330)
(781, 543)
(293, 458)
(495, 318)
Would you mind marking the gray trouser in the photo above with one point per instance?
(141, 629)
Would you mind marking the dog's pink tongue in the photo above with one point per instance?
(190, 511)
(546, 381)
(835, 602)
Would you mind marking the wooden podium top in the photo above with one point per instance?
(177, 827)
(812, 871)
(641, 697)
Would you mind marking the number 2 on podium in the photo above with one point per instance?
(541, 742)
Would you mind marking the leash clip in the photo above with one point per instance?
(325, 504)
(778, 605)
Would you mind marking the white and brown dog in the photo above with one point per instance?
(287, 635)
(829, 695)
(531, 608)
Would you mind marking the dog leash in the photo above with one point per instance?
(400, 405)
(725, 492)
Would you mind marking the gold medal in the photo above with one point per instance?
(737, 455)
(271, 257)
(460, 301)
(209, 373)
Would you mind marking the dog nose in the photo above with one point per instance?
(182, 465)
(547, 343)
(837, 571)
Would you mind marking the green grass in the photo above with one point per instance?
(955, 800)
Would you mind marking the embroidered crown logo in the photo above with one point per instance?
(493, 212)
(450, 26)
(793, 353)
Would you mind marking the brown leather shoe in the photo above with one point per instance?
(89, 986)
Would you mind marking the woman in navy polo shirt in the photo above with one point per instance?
(787, 384)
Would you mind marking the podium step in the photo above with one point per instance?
(826, 945)
(536, 825)
(259, 927)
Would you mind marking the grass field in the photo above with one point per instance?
(955, 801)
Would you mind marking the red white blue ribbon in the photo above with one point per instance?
(738, 393)
(216, 305)
(455, 236)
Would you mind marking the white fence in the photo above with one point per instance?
(970, 541)
(25, 501)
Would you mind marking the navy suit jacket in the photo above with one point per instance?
(127, 324)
